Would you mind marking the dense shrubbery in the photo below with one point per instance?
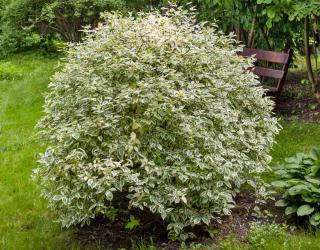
(154, 112)
(36, 23)
(300, 178)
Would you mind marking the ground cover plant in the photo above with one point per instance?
(299, 177)
(169, 121)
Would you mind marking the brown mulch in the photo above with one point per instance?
(113, 235)
(109, 234)
(238, 223)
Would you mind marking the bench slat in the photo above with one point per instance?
(265, 55)
(273, 73)
(273, 57)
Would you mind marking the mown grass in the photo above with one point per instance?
(296, 136)
(25, 222)
(297, 241)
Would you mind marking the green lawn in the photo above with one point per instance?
(295, 137)
(25, 222)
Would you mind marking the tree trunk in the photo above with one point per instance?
(288, 43)
(240, 34)
(251, 35)
(313, 81)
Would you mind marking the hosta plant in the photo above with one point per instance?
(300, 179)
(155, 112)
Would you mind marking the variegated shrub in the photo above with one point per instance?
(158, 110)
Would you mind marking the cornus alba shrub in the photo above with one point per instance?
(157, 111)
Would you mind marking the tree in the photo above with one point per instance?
(272, 24)
(28, 23)
(309, 11)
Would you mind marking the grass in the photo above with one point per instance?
(25, 222)
(295, 137)
(300, 63)
(297, 241)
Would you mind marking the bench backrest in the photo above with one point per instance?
(280, 58)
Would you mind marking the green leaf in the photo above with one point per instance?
(292, 160)
(308, 162)
(291, 210)
(271, 13)
(280, 184)
(314, 154)
(315, 219)
(304, 210)
(283, 174)
(315, 169)
(281, 203)
(133, 223)
(269, 24)
(264, 1)
(313, 180)
(293, 166)
(294, 182)
(299, 189)
(309, 199)
(291, 18)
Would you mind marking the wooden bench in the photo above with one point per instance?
(278, 58)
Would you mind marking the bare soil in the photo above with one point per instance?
(113, 235)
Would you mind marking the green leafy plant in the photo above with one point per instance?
(300, 179)
(304, 81)
(212, 232)
(159, 112)
(229, 243)
(260, 234)
(133, 223)
(111, 214)
(40, 23)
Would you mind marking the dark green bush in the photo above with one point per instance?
(300, 178)
(38, 23)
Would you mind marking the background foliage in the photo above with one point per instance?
(270, 24)
(41, 23)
